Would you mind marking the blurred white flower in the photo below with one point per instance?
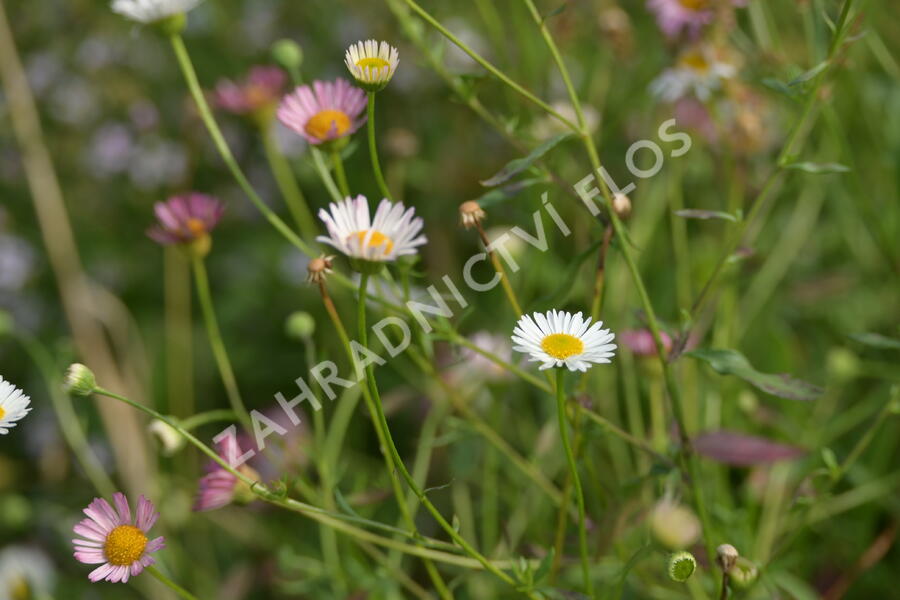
(699, 71)
(150, 11)
(25, 572)
(109, 151)
(157, 163)
(16, 262)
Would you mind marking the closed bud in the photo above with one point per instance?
(288, 54)
(170, 440)
(622, 206)
(79, 380)
(300, 325)
(743, 573)
(726, 556)
(674, 526)
(681, 566)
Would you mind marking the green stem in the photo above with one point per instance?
(183, 593)
(398, 461)
(576, 480)
(339, 172)
(190, 76)
(216, 343)
(287, 182)
(373, 149)
(212, 416)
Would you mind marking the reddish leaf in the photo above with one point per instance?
(742, 450)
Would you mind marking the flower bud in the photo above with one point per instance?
(471, 213)
(726, 556)
(300, 325)
(622, 205)
(681, 566)
(170, 440)
(288, 54)
(674, 526)
(743, 573)
(79, 380)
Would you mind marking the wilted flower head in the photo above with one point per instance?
(219, 487)
(699, 70)
(641, 343)
(259, 91)
(395, 231)
(319, 268)
(622, 205)
(325, 111)
(151, 11)
(13, 405)
(726, 556)
(561, 339)
(186, 219)
(113, 539)
(372, 64)
(169, 438)
(471, 213)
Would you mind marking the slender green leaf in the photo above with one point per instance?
(514, 167)
(731, 362)
(691, 213)
(807, 75)
(818, 168)
(876, 340)
(507, 192)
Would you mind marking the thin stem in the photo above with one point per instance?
(576, 481)
(379, 430)
(373, 149)
(498, 266)
(287, 182)
(190, 76)
(216, 342)
(339, 172)
(183, 593)
(212, 416)
(490, 68)
(398, 461)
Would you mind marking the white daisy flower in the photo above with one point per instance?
(13, 405)
(698, 71)
(371, 63)
(25, 572)
(392, 233)
(151, 11)
(558, 338)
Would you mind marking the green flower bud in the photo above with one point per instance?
(681, 566)
(300, 325)
(288, 54)
(743, 573)
(79, 380)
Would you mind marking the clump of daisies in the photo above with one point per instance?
(14, 405)
(325, 112)
(372, 63)
(560, 339)
(395, 231)
(112, 539)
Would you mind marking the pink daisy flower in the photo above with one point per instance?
(185, 219)
(326, 111)
(113, 539)
(261, 89)
(219, 487)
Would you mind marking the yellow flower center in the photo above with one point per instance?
(373, 63)
(377, 239)
(562, 345)
(196, 227)
(694, 4)
(695, 61)
(19, 588)
(257, 95)
(124, 545)
(320, 124)
(2, 412)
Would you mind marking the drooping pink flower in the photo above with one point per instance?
(325, 111)
(114, 541)
(640, 341)
(262, 88)
(219, 487)
(185, 219)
